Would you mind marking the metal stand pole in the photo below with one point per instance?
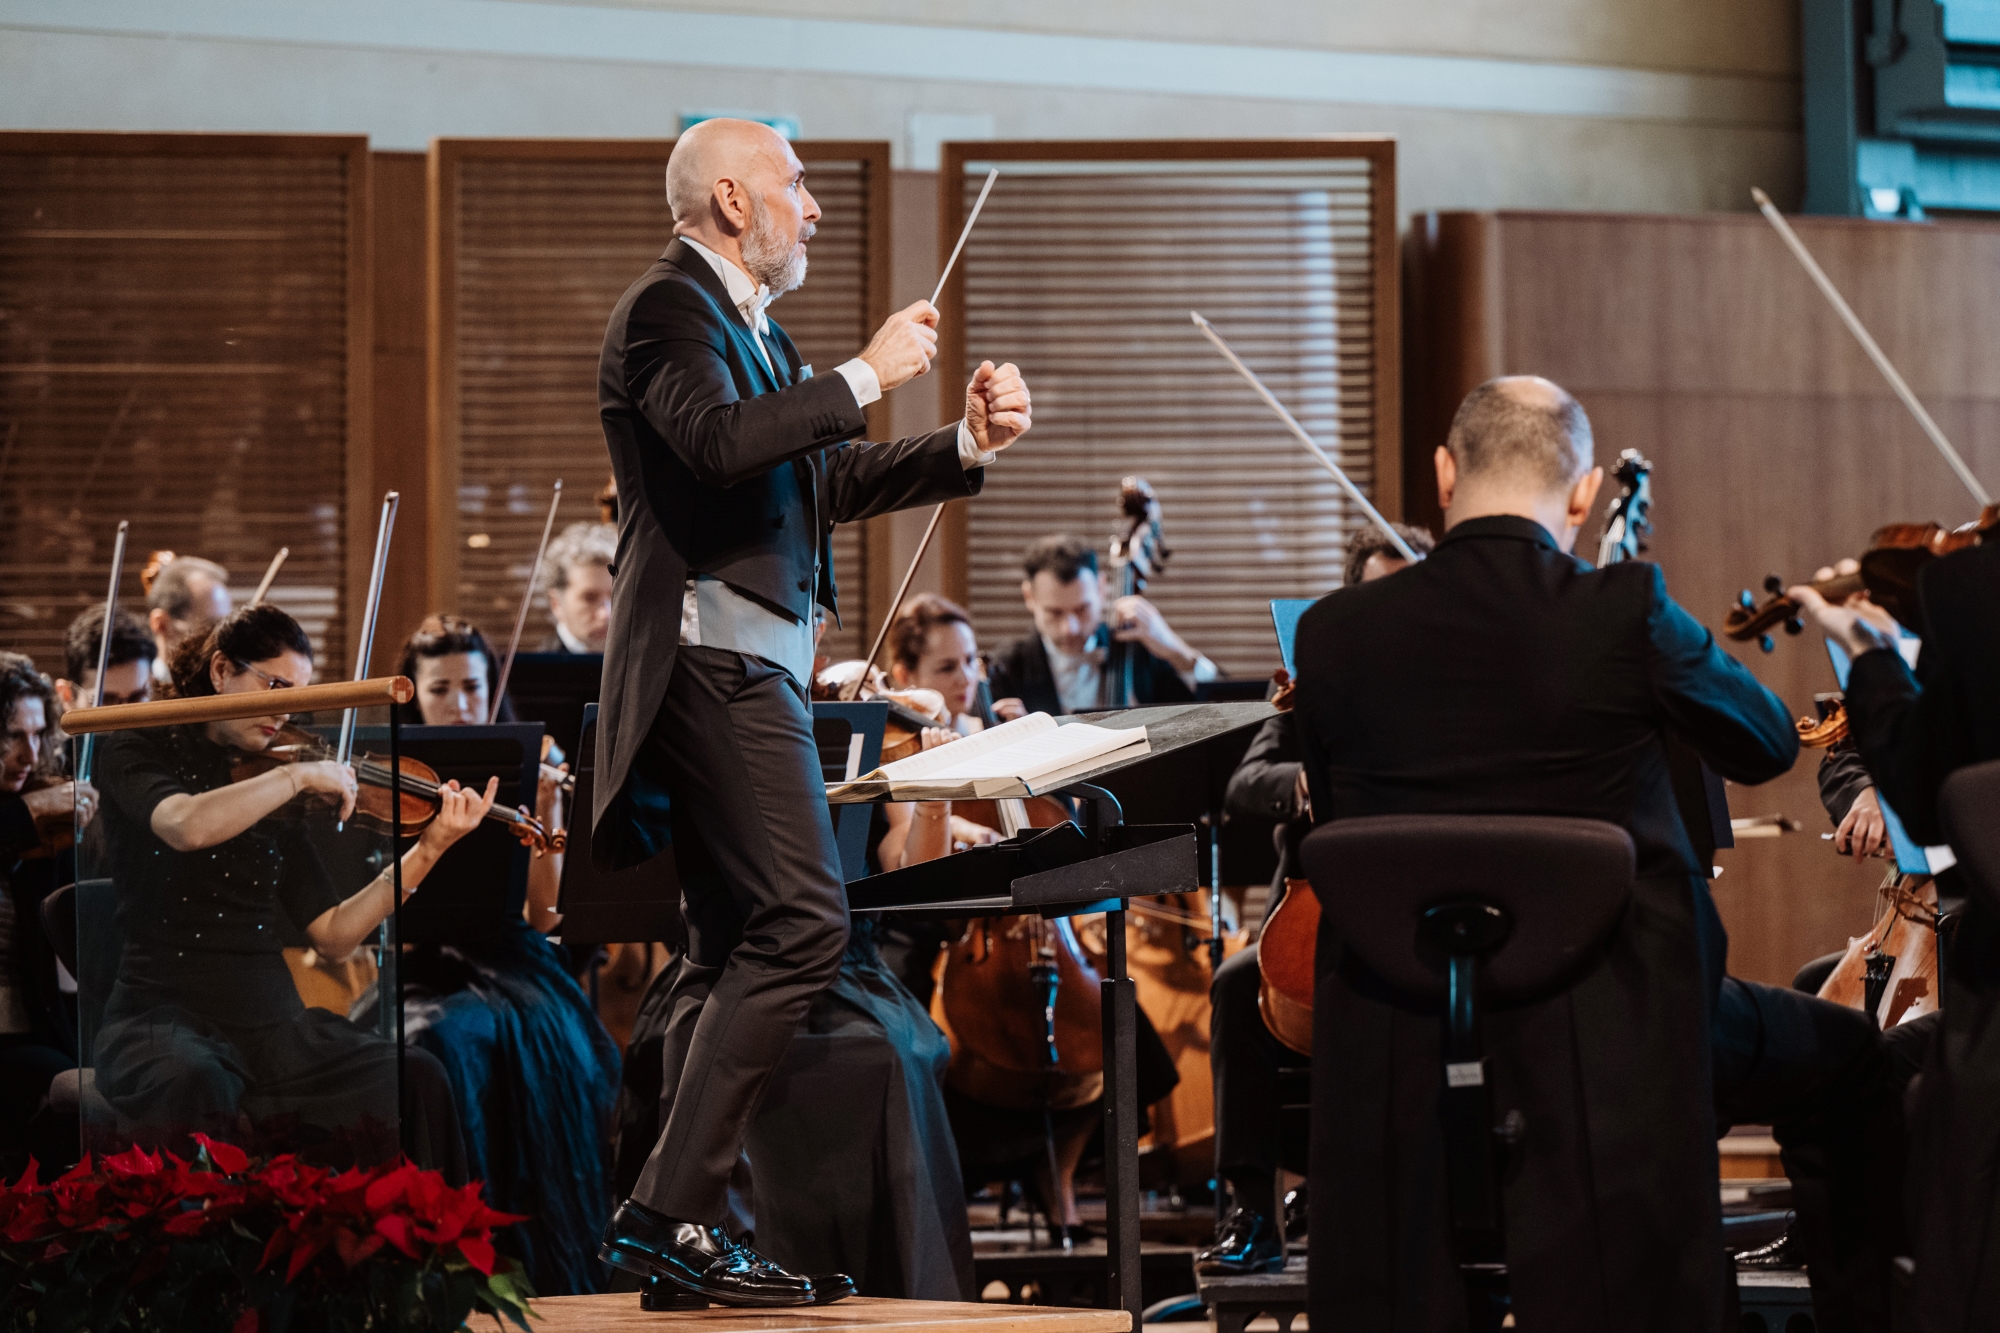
(1121, 1123)
(391, 934)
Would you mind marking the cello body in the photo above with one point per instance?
(1897, 959)
(1285, 966)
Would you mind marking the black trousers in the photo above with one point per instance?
(1821, 1076)
(765, 905)
(1245, 1060)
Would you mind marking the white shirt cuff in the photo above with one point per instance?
(1204, 671)
(860, 377)
(969, 453)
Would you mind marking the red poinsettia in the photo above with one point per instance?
(316, 1224)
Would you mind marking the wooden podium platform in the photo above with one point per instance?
(621, 1313)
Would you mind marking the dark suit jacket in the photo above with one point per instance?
(1913, 730)
(722, 470)
(1501, 676)
(1263, 786)
(52, 1013)
(1020, 670)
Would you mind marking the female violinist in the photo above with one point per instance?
(204, 1029)
(526, 1054)
(932, 647)
(37, 1020)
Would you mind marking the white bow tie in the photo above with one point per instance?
(753, 311)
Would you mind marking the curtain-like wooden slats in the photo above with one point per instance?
(1082, 270)
(538, 240)
(178, 317)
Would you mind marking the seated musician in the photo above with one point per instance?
(1501, 675)
(1914, 729)
(38, 1087)
(526, 1054)
(1061, 667)
(185, 594)
(577, 573)
(128, 674)
(1244, 1057)
(932, 647)
(204, 1029)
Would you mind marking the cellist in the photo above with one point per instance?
(1245, 1058)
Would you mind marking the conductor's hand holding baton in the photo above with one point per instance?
(904, 347)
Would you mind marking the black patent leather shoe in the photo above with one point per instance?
(1298, 1214)
(1246, 1242)
(699, 1260)
(1784, 1252)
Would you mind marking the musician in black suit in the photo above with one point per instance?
(1913, 730)
(1500, 675)
(1070, 663)
(733, 463)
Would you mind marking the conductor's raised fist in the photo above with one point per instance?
(997, 407)
(904, 347)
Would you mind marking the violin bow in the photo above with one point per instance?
(384, 526)
(527, 597)
(104, 646)
(849, 691)
(270, 573)
(1868, 345)
(853, 688)
(1312, 445)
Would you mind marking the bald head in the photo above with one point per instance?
(1521, 431)
(738, 188)
(1520, 445)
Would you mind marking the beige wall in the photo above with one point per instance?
(1675, 106)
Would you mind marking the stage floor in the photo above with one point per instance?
(617, 1313)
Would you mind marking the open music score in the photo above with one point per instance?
(1021, 758)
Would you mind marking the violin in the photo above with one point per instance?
(418, 782)
(1896, 555)
(910, 710)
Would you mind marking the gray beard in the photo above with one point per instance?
(768, 257)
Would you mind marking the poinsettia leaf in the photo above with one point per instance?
(227, 1157)
(386, 1190)
(30, 1178)
(396, 1229)
(247, 1322)
(478, 1253)
(303, 1253)
(280, 1241)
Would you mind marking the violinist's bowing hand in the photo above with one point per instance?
(1863, 833)
(904, 347)
(54, 805)
(1854, 629)
(459, 811)
(1007, 710)
(936, 736)
(335, 781)
(998, 410)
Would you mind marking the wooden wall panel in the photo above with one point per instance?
(185, 336)
(1700, 342)
(402, 432)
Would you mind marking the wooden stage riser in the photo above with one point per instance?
(615, 1313)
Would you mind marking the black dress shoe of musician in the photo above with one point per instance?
(1246, 1242)
(699, 1259)
(1784, 1252)
(1298, 1214)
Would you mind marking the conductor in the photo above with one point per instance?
(733, 462)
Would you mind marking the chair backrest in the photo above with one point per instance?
(1969, 809)
(59, 924)
(1563, 882)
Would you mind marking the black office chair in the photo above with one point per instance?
(1472, 912)
(1969, 809)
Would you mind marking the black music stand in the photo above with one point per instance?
(554, 689)
(486, 872)
(1093, 864)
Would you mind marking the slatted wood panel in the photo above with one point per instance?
(534, 243)
(181, 322)
(1777, 446)
(1083, 268)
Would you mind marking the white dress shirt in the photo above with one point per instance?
(715, 615)
(570, 641)
(1079, 679)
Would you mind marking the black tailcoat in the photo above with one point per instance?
(1502, 676)
(722, 470)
